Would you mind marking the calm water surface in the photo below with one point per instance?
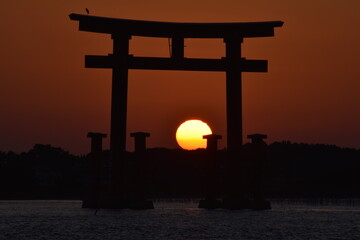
(178, 220)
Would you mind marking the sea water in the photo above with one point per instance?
(179, 220)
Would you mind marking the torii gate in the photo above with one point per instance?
(120, 62)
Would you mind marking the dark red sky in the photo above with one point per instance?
(310, 94)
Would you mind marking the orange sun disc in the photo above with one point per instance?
(189, 134)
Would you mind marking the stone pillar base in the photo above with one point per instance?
(238, 204)
(210, 204)
(120, 204)
(260, 205)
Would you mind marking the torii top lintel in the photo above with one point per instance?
(173, 29)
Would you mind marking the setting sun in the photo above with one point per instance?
(189, 134)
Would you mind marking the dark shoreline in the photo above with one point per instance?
(292, 170)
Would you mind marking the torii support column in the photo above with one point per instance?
(94, 165)
(118, 112)
(211, 170)
(258, 149)
(140, 141)
(96, 142)
(140, 172)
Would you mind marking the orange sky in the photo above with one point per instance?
(310, 94)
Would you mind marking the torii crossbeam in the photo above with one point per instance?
(120, 62)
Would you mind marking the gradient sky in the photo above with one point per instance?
(310, 94)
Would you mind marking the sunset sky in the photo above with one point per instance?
(311, 93)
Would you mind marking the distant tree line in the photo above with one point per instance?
(42, 172)
(314, 170)
(291, 170)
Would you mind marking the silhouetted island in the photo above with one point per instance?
(292, 170)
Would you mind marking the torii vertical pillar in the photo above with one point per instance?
(233, 93)
(118, 112)
(234, 119)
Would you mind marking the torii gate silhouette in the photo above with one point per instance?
(120, 62)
